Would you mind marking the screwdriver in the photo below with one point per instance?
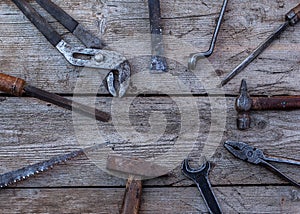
(292, 18)
(18, 87)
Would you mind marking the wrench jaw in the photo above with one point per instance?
(117, 80)
(193, 173)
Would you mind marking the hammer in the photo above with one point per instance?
(244, 104)
(136, 169)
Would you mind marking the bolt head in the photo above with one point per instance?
(99, 58)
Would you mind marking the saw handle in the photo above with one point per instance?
(132, 196)
(12, 85)
(293, 16)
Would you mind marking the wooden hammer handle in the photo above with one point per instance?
(276, 103)
(132, 197)
(11, 85)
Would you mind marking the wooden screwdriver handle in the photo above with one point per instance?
(296, 10)
(11, 85)
(132, 197)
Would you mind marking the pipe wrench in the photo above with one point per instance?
(117, 80)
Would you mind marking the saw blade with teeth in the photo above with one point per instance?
(25, 172)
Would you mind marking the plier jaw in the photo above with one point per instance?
(117, 80)
(244, 152)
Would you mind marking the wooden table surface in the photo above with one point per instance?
(193, 113)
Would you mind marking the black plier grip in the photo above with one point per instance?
(256, 156)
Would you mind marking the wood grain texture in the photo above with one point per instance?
(189, 26)
(149, 126)
(155, 200)
(42, 131)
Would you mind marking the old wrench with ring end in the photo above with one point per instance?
(197, 56)
(200, 177)
(117, 81)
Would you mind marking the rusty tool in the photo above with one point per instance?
(18, 175)
(136, 169)
(292, 18)
(18, 87)
(197, 56)
(200, 177)
(244, 104)
(117, 80)
(158, 61)
(256, 156)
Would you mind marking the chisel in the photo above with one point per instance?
(158, 61)
(18, 87)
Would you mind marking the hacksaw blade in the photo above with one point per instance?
(25, 172)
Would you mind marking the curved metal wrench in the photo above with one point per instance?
(117, 81)
(197, 56)
(200, 177)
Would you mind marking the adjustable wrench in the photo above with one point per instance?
(200, 177)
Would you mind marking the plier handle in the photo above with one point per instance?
(256, 156)
(90, 56)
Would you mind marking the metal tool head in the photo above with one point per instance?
(117, 81)
(193, 173)
(243, 102)
(137, 167)
(244, 152)
(243, 105)
(158, 64)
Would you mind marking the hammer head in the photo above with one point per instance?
(136, 167)
(243, 106)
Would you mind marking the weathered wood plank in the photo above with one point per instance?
(189, 23)
(35, 133)
(155, 200)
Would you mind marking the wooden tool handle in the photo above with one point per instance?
(132, 197)
(293, 16)
(276, 103)
(11, 85)
(296, 10)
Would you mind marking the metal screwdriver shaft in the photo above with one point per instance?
(292, 18)
(17, 87)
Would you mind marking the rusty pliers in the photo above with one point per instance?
(256, 156)
(117, 80)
